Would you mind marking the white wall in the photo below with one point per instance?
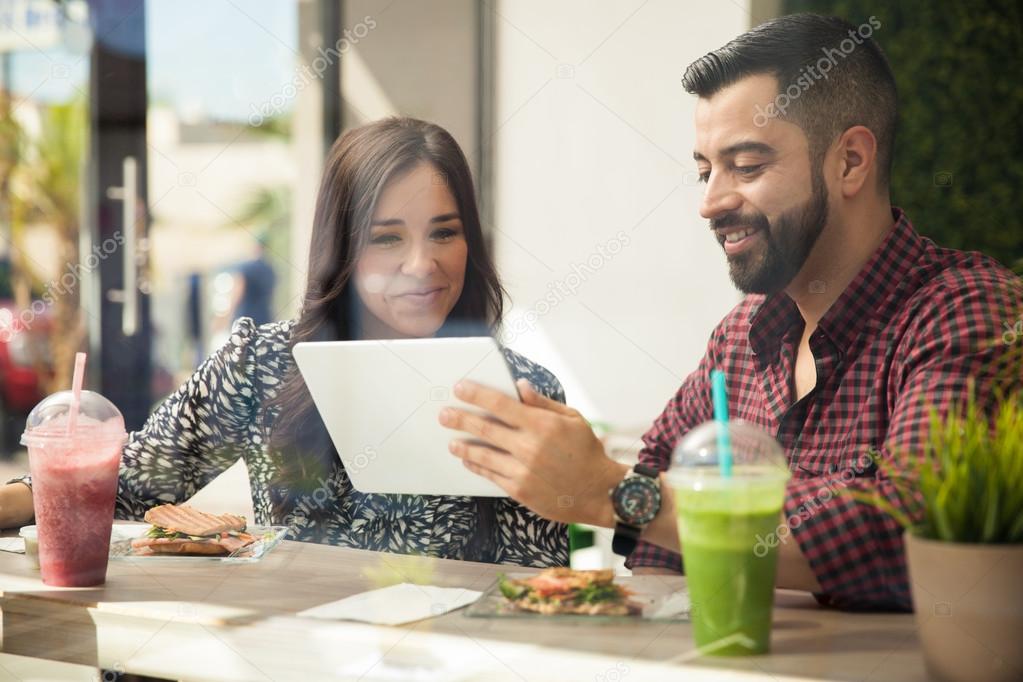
(418, 59)
(403, 57)
(593, 151)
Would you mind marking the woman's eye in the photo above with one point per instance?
(445, 234)
(704, 176)
(385, 239)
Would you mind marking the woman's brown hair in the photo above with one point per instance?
(358, 166)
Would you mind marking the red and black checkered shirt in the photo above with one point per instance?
(909, 332)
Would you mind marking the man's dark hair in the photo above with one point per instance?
(831, 76)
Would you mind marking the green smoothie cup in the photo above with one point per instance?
(723, 521)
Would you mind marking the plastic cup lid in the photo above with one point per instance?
(755, 453)
(98, 419)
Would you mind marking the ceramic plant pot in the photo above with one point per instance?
(968, 600)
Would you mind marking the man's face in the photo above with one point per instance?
(765, 203)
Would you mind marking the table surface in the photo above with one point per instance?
(236, 621)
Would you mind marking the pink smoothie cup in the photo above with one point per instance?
(74, 483)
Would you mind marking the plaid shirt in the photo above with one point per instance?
(909, 332)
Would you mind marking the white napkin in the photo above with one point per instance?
(16, 545)
(395, 605)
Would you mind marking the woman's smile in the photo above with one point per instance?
(426, 297)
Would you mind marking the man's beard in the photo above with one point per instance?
(787, 243)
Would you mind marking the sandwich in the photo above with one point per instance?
(184, 530)
(562, 590)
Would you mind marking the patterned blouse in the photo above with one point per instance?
(217, 417)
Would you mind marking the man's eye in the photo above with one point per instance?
(385, 239)
(748, 170)
(704, 176)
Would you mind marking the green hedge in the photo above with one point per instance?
(959, 148)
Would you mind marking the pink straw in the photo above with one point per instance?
(76, 392)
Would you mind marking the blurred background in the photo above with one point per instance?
(159, 162)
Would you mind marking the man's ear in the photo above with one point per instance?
(857, 156)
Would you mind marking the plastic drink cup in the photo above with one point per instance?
(28, 534)
(722, 521)
(74, 483)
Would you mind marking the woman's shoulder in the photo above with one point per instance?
(269, 337)
(541, 378)
(257, 353)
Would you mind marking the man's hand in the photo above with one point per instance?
(542, 453)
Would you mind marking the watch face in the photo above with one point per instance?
(637, 499)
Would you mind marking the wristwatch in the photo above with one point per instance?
(636, 500)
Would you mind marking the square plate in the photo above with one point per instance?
(660, 601)
(123, 534)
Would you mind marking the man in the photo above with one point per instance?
(854, 326)
(254, 289)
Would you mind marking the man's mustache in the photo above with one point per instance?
(756, 220)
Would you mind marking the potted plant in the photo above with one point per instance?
(964, 541)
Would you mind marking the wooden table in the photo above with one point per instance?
(237, 622)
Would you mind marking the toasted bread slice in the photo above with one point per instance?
(598, 609)
(569, 579)
(218, 545)
(185, 519)
(170, 546)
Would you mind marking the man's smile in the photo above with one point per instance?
(737, 239)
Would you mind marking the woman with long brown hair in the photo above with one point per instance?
(397, 252)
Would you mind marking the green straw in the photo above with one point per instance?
(720, 396)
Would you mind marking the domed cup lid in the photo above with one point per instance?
(97, 419)
(755, 453)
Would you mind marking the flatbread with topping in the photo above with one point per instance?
(565, 591)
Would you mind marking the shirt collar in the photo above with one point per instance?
(879, 279)
(875, 283)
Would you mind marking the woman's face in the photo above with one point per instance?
(411, 273)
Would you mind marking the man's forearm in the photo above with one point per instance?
(663, 530)
(794, 570)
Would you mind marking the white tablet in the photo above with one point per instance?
(380, 401)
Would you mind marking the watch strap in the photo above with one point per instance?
(625, 539)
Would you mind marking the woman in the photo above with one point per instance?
(397, 252)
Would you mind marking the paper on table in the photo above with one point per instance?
(395, 605)
(16, 545)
